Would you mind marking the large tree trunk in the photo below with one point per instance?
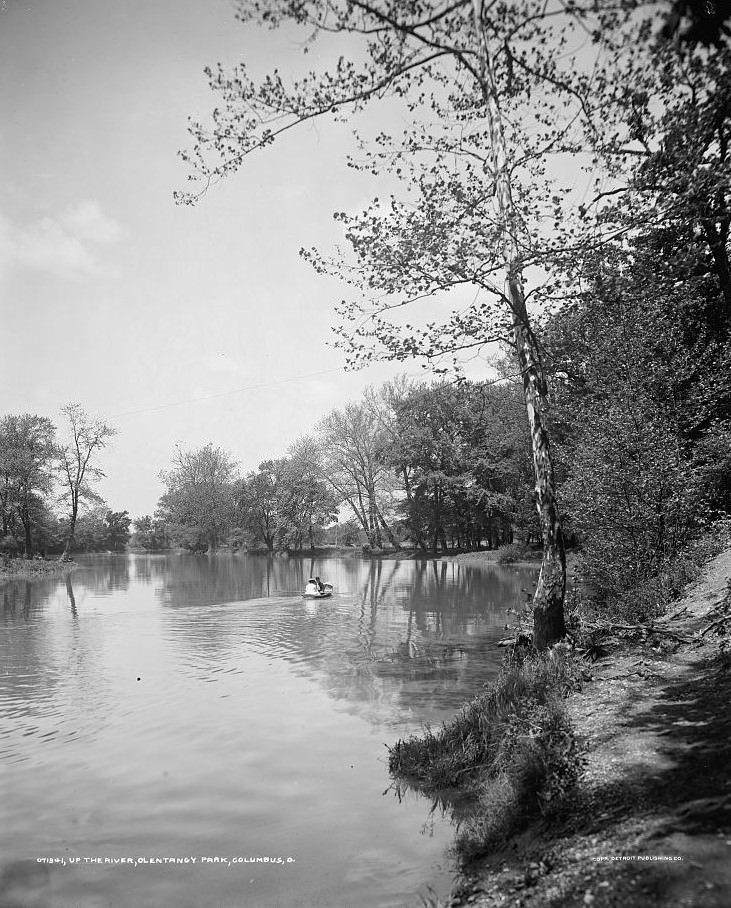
(373, 517)
(413, 527)
(548, 617)
(68, 548)
(716, 238)
(25, 517)
(365, 521)
(387, 530)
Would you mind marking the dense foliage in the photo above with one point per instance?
(489, 98)
(642, 413)
(639, 357)
(629, 371)
(441, 466)
(48, 503)
(462, 454)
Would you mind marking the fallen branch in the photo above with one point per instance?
(640, 672)
(715, 623)
(677, 614)
(644, 628)
(722, 603)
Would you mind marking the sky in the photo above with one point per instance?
(178, 325)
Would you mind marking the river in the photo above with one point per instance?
(182, 707)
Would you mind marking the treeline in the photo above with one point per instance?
(48, 503)
(639, 366)
(438, 466)
(586, 144)
(620, 356)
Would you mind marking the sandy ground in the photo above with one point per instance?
(652, 821)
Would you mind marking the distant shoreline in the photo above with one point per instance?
(475, 558)
(478, 557)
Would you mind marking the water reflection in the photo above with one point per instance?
(397, 639)
(71, 597)
(24, 884)
(17, 596)
(46, 664)
(187, 702)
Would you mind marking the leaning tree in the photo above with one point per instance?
(489, 101)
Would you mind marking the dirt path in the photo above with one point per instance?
(656, 723)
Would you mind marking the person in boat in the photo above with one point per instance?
(320, 585)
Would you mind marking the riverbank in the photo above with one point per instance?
(505, 555)
(35, 569)
(650, 821)
(491, 557)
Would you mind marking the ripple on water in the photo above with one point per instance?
(176, 710)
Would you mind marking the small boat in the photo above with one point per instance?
(312, 591)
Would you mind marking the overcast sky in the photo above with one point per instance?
(114, 297)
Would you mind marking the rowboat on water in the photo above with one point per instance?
(313, 590)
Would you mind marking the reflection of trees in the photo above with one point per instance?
(188, 580)
(24, 882)
(104, 574)
(423, 637)
(399, 636)
(400, 640)
(426, 634)
(17, 599)
(71, 597)
(53, 684)
(100, 576)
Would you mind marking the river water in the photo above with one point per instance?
(156, 707)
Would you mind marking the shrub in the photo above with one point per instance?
(516, 551)
(9, 546)
(609, 594)
(509, 754)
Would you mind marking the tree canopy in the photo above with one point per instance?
(570, 142)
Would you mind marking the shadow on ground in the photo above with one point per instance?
(672, 798)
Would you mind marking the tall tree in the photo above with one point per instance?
(27, 453)
(464, 457)
(353, 442)
(258, 504)
(488, 92)
(149, 533)
(308, 503)
(660, 139)
(197, 507)
(87, 436)
(117, 532)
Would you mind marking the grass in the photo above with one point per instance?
(31, 569)
(516, 551)
(509, 754)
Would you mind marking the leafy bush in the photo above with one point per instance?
(511, 752)
(641, 397)
(9, 546)
(516, 551)
(538, 767)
